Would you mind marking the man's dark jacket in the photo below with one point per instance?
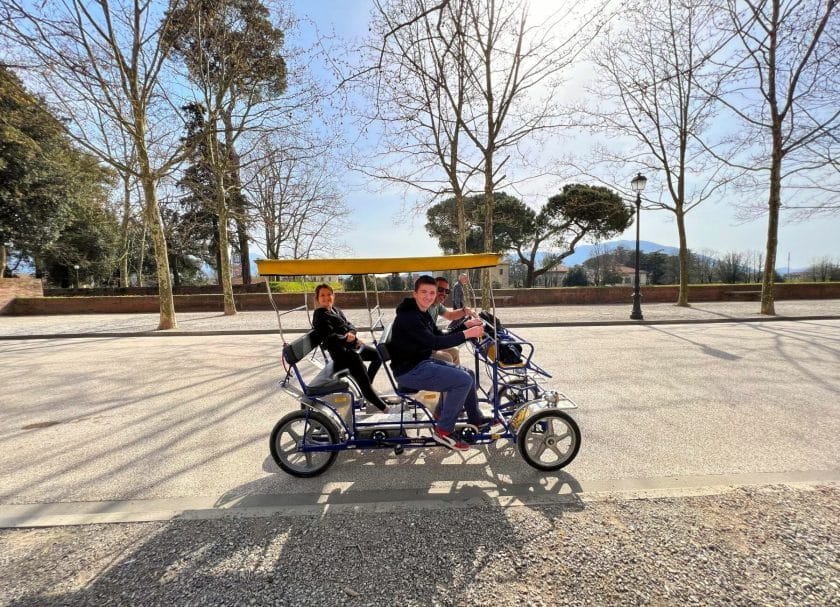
(415, 336)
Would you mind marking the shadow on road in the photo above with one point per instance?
(353, 556)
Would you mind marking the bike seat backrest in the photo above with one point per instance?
(384, 340)
(299, 348)
(325, 382)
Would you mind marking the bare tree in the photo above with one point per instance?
(732, 268)
(419, 92)
(824, 269)
(703, 266)
(598, 263)
(515, 69)
(646, 74)
(126, 212)
(502, 72)
(234, 54)
(781, 82)
(753, 262)
(100, 65)
(295, 200)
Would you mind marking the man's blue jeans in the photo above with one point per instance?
(457, 385)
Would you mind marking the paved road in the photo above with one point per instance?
(181, 423)
(192, 323)
(727, 429)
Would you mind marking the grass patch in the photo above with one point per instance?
(289, 286)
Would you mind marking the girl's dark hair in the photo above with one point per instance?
(323, 286)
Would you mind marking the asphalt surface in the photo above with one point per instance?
(163, 434)
(179, 421)
(208, 323)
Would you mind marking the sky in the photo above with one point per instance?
(711, 227)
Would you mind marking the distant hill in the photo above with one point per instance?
(584, 252)
(581, 254)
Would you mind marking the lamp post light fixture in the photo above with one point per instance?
(76, 267)
(638, 184)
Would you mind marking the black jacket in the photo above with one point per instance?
(331, 327)
(414, 337)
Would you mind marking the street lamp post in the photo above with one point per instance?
(76, 267)
(637, 184)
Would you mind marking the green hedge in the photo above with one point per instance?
(287, 286)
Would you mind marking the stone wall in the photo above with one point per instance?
(19, 286)
(27, 305)
(179, 290)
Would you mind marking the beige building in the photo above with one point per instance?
(628, 275)
(554, 277)
(500, 275)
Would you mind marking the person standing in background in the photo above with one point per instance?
(462, 292)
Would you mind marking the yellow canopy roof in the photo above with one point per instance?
(378, 265)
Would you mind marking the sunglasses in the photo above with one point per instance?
(442, 290)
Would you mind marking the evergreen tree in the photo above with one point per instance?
(46, 185)
(576, 277)
(193, 219)
(579, 211)
(234, 53)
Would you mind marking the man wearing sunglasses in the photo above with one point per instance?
(439, 310)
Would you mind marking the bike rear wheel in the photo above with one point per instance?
(299, 429)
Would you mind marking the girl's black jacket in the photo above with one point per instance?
(331, 326)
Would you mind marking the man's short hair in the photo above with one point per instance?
(425, 279)
(441, 279)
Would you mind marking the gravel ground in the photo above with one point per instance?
(774, 545)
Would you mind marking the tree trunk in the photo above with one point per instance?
(682, 298)
(142, 256)
(217, 249)
(154, 222)
(173, 267)
(155, 225)
(220, 165)
(488, 223)
(125, 253)
(767, 304)
(775, 202)
(235, 193)
(224, 258)
(462, 223)
(529, 276)
(488, 248)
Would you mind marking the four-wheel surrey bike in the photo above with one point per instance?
(333, 416)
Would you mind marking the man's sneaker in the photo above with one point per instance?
(486, 424)
(448, 440)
